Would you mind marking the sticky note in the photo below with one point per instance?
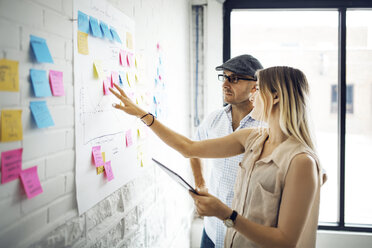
(11, 165)
(100, 169)
(129, 40)
(106, 83)
(122, 57)
(115, 35)
(82, 39)
(11, 125)
(41, 114)
(56, 83)
(83, 22)
(114, 78)
(40, 49)
(31, 182)
(136, 78)
(98, 70)
(128, 138)
(106, 30)
(94, 27)
(138, 131)
(128, 79)
(108, 171)
(40, 83)
(9, 79)
(97, 156)
(120, 80)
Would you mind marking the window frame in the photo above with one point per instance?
(341, 7)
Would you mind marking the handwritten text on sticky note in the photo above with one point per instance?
(11, 125)
(56, 83)
(31, 182)
(9, 79)
(108, 171)
(97, 156)
(11, 165)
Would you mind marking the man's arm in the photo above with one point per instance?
(197, 170)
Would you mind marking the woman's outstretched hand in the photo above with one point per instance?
(129, 107)
(208, 205)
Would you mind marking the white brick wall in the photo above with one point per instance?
(149, 211)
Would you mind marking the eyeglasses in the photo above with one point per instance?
(233, 79)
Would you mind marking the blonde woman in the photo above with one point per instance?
(277, 192)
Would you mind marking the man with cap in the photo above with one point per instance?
(239, 83)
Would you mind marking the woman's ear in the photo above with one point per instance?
(275, 98)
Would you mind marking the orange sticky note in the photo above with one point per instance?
(9, 79)
(82, 39)
(11, 125)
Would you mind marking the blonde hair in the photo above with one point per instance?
(292, 88)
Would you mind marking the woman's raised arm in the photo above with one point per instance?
(227, 146)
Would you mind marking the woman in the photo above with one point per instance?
(277, 192)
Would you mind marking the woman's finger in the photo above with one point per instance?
(115, 93)
(120, 90)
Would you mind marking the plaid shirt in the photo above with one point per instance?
(223, 170)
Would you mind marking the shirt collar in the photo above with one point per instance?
(248, 117)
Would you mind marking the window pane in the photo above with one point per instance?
(307, 40)
(358, 200)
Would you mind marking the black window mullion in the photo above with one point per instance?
(341, 111)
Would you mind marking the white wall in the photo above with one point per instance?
(147, 212)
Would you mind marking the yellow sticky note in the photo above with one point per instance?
(9, 79)
(103, 156)
(98, 71)
(141, 163)
(128, 79)
(136, 78)
(82, 39)
(100, 169)
(129, 40)
(135, 62)
(136, 101)
(11, 125)
(138, 133)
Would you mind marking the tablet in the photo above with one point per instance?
(176, 177)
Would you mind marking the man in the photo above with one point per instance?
(239, 83)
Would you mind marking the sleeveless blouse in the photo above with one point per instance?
(259, 186)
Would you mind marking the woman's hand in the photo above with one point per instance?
(129, 107)
(208, 205)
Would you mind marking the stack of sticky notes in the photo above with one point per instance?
(11, 169)
(101, 165)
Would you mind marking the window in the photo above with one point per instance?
(349, 98)
(312, 36)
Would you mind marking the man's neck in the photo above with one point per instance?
(238, 112)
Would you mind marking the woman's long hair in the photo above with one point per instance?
(292, 88)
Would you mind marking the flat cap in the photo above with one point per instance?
(243, 64)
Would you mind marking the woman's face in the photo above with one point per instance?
(258, 105)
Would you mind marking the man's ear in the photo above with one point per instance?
(275, 98)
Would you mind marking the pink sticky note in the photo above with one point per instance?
(128, 138)
(97, 156)
(31, 182)
(108, 171)
(11, 165)
(106, 83)
(56, 83)
(130, 59)
(114, 78)
(122, 57)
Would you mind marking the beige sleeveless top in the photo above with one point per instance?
(259, 186)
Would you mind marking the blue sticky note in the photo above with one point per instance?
(115, 35)
(83, 22)
(41, 114)
(94, 27)
(106, 30)
(120, 80)
(40, 83)
(40, 49)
